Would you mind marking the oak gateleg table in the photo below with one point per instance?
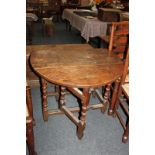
(77, 68)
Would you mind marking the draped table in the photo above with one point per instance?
(89, 27)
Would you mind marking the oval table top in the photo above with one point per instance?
(75, 65)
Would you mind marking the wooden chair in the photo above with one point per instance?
(29, 123)
(119, 38)
(118, 44)
(122, 102)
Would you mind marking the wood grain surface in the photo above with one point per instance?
(75, 65)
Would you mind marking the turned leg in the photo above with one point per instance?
(62, 97)
(44, 98)
(114, 97)
(30, 138)
(126, 134)
(29, 102)
(82, 122)
(106, 98)
(57, 90)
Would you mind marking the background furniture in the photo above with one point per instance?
(29, 122)
(48, 26)
(33, 6)
(30, 19)
(52, 9)
(87, 25)
(109, 15)
(44, 8)
(78, 68)
(77, 4)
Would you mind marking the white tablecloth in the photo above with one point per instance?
(89, 28)
(32, 16)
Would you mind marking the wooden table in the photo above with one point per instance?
(79, 68)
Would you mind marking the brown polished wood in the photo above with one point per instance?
(29, 123)
(106, 98)
(119, 38)
(122, 101)
(31, 77)
(114, 97)
(44, 99)
(78, 68)
(29, 101)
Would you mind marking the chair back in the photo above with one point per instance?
(119, 38)
(125, 76)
